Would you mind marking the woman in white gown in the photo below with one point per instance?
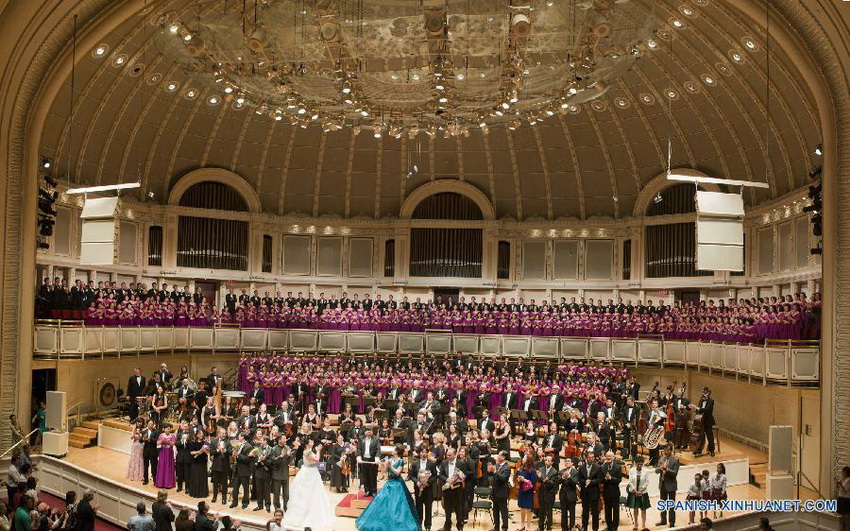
(308, 507)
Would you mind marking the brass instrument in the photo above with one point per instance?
(654, 433)
(455, 481)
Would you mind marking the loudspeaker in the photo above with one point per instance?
(780, 487)
(780, 458)
(720, 231)
(98, 239)
(55, 443)
(56, 415)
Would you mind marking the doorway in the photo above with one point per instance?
(43, 380)
(208, 289)
(688, 296)
(449, 295)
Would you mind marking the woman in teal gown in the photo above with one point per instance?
(392, 509)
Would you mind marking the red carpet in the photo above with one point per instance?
(99, 523)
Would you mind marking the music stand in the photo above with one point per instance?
(519, 414)
(390, 405)
(500, 410)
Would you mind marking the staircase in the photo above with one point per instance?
(760, 471)
(352, 505)
(84, 435)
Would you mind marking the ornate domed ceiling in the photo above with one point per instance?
(142, 111)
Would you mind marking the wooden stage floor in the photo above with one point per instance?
(113, 465)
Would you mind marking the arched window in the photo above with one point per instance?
(447, 205)
(446, 252)
(211, 243)
(670, 249)
(215, 196)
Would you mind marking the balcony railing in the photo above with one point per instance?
(788, 362)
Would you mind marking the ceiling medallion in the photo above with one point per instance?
(409, 67)
(154, 78)
(598, 105)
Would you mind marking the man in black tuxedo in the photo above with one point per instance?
(549, 480)
(183, 458)
(552, 444)
(230, 301)
(135, 388)
(706, 408)
(421, 423)
(220, 451)
(590, 476)
(281, 455)
(668, 471)
(164, 376)
(263, 474)
(245, 421)
(369, 449)
(511, 399)
(500, 474)
(612, 474)
(569, 495)
(423, 496)
(242, 474)
(258, 395)
(453, 492)
(184, 394)
(631, 414)
(214, 379)
(204, 521)
(150, 452)
(556, 400)
(485, 423)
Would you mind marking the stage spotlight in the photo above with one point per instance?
(815, 173)
(45, 163)
(657, 199)
(50, 181)
(819, 150)
(42, 245)
(46, 225)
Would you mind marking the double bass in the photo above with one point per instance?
(697, 442)
(670, 409)
(682, 417)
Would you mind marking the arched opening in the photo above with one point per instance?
(211, 243)
(671, 248)
(447, 205)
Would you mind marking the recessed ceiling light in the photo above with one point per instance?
(575, 109)
(191, 94)
(100, 51)
(228, 90)
(621, 103)
(688, 11)
(187, 37)
(708, 80)
(736, 56)
(691, 87)
(652, 44)
(137, 69)
(598, 105)
(214, 100)
(677, 23)
(647, 99)
(154, 78)
(750, 44)
(460, 77)
(672, 94)
(482, 75)
(394, 77)
(171, 86)
(173, 28)
(119, 60)
(415, 77)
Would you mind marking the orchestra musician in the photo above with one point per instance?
(553, 443)
(368, 451)
(705, 407)
(631, 413)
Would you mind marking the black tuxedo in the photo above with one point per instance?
(589, 480)
(259, 395)
(556, 442)
(706, 407)
(569, 497)
(369, 472)
(135, 388)
(511, 400)
(549, 480)
(630, 417)
(499, 495)
(246, 423)
(150, 452)
(453, 498)
(230, 302)
(220, 467)
(281, 456)
(611, 492)
(558, 400)
(242, 475)
(424, 497)
(184, 458)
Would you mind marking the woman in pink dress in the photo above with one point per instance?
(165, 468)
(136, 466)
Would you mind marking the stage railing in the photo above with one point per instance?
(788, 362)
